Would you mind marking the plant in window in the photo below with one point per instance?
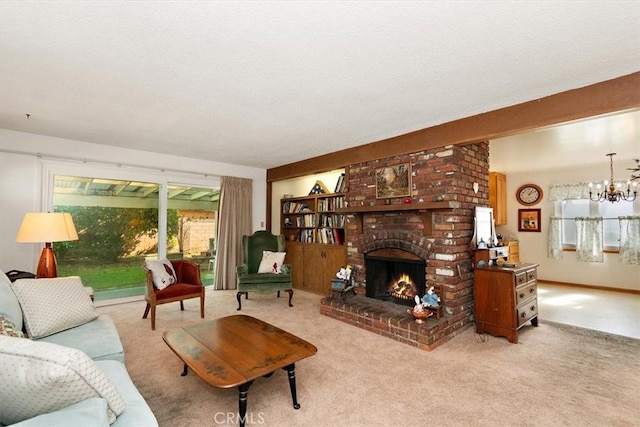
(635, 172)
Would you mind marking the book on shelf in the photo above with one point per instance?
(337, 238)
(340, 184)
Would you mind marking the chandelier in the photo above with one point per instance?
(612, 190)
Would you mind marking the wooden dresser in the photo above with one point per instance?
(505, 299)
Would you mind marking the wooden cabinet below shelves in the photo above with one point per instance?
(314, 265)
(498, 196)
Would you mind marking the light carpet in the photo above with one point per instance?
(555, 375)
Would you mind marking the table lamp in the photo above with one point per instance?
(47, 227)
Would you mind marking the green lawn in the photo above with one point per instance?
(113, 276)
(101, 277)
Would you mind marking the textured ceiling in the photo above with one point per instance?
(269, 83)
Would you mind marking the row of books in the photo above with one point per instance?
(330, 204)
(329, 236)
(301, 221)
(308, 236)
(294, 207)
(332, 220)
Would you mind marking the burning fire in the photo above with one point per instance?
(403, 288)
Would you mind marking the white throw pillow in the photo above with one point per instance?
(162, 272)
(271, 262)
(37, 377)
(53, 305)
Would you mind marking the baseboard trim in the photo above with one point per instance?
(599, 287)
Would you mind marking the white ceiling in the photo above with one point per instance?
(583, 143)
(268, 83)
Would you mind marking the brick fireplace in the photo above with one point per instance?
(432, 226)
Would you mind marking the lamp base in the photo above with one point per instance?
(47, 266)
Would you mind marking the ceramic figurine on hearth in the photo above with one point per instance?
(344, 273)
(431, 299)
(418, 308)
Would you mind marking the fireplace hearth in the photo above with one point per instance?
(395, 275)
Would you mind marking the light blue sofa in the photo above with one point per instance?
(99, 339)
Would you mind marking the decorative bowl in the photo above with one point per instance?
(420, 317)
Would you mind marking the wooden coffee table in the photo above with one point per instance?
(233, 351)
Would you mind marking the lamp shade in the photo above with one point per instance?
(47, 227)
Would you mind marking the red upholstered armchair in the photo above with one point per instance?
(188, 285)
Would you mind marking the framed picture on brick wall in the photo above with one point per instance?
(393, 181)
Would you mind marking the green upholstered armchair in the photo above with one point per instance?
(248, 278)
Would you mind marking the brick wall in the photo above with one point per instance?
(445, 174)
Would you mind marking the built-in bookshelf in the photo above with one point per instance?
(314, 218)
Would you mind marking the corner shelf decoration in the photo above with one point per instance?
(318, 188)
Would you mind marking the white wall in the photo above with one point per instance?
(25, 159)
(555, 157)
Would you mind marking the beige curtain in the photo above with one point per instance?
(234, 221)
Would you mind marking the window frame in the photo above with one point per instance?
(594, 211)
(163, 178)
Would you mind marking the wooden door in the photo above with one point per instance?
(313, 268)
(335, 258)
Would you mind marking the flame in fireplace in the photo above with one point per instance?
(403, 288)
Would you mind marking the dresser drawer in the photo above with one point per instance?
(531, 275)
(521, 278)
(525, 293)
(527, 311)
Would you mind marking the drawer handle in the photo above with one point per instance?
(521, 295)
(532, 291)
(523, 315)
(533, 308)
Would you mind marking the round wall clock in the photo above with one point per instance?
(529, 194)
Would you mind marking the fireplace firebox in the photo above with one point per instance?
(395, 275)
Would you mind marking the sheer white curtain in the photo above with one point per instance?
(630, 239)
(555, 238)
(589, 239)
(234, 220)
